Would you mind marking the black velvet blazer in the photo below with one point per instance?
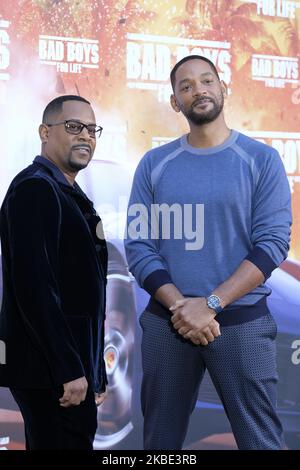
(54, 281)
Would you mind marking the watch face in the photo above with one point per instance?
(213, 301)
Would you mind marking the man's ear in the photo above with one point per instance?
(43, 131)
(224, 89)
(174, 104)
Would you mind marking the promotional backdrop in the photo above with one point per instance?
(118, 54)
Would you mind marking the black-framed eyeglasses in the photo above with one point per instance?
(76, 127)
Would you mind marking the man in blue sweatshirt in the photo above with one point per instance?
(208, 221)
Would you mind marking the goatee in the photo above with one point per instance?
(78, 166)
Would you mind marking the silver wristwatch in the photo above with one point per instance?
(214, 302)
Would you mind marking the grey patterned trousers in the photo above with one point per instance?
(242, 365)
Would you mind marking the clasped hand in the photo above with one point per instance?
(194, 320)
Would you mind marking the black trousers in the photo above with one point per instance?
(50, 426)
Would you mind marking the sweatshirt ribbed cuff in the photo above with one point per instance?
(155, 280)
(262, 261)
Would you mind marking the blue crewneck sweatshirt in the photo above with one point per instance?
(195, 214)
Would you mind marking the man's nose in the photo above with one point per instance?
(84, 135)
(199, 90)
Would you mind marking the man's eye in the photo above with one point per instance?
(91, 129)
(73, 126)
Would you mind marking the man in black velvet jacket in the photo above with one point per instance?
(54, 261)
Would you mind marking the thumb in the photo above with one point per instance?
(178, 303)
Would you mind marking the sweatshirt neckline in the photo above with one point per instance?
(209, 150)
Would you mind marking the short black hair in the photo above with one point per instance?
(185, 59)
(55, 106)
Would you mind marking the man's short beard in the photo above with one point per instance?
(77, 166)
(199, 119)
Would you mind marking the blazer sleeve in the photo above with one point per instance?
(102, 366)
(34, 218)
